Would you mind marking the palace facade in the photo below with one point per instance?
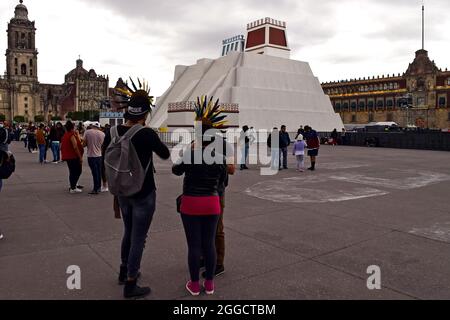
(418, 97)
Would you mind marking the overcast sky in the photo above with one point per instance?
(147, 38)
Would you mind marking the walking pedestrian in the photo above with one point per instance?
(313, 144)
(299, 152)
(72, 152)
(334, 137)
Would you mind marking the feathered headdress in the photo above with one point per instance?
(209, 113)
(136, 97)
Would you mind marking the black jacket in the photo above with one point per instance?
(285, 140)
(201, 179)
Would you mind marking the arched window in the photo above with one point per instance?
(390, 103)
(345, 106)
(362, 106)
(23, 69)
(442, 102)
(370, 105)
(380, 104)
(337, 107)
(353, 106)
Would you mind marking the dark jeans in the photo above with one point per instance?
(75, 170)
(201, 234)
(42, 153)
(137, 215)
(284, 153)
(56, 151)
(96, 168)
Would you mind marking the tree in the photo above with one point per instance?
(56, 119)
(19, 119)
(2, 117)
(39, 118)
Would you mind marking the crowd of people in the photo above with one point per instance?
(121, 161)
(307, 142)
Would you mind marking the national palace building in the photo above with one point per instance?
(419, 97)
(22, 95)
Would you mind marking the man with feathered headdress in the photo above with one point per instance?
(137, 207)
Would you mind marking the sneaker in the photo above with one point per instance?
(132, 290)
(1, 236)
(80, 187)
(104, 189)
(220, 270)
(94, 192)
(209, 287)
(193, 288)
(76, 190)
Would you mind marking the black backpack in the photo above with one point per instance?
(7, 164)
(7, 160)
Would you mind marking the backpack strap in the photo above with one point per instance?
(133, 131)
(114, 134)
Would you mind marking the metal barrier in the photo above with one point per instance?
(439, 141)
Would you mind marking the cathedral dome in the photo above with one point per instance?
(21, 11)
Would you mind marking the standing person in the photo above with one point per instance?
(200, 203)
(3, 149)
(137, 208)
(274, 150)
(343, 137)
(42, 143)
(24, 137)
(220, 233)
(285, 142)
(245, 143)
(300, 131)
(107, 132)
(313, 143)
(80, 129)
(72, 153)
(299, 153)
(32, 147)
(334, 137)
(55, 136)
(7, 162)
(93, 140)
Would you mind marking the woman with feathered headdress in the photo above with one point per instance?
(200, 203)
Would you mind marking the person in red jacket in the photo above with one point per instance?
(313, 142)
(72, 152)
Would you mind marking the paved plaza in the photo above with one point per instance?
(290, 236)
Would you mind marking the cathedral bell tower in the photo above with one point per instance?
(21, 63)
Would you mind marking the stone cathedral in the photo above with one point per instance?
(21, 93)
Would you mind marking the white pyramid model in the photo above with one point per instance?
(270, 90)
